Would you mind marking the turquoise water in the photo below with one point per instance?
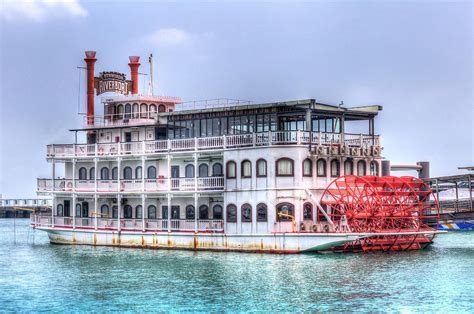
(38, 276)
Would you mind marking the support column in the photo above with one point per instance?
(97, 210)
(196, 212)
(169, 212)
(385, 167)
(53, 189)
(143, 213)
(119, 212)
(195, 172)
(74, 211)
(53, 208)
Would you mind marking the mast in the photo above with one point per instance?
(150, 83)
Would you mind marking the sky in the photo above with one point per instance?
(414, 58)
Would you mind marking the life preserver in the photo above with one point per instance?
(314, 228)
(302, 227)
(101, 151)
(326, 228)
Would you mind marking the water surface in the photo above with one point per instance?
(38, 276)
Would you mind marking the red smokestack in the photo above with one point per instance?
(134, 64)
(90, 60)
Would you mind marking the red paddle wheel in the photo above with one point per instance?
(396, 208)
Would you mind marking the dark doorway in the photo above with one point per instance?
(67, 208)
(128, 137)
(85, 209)
(175, 175)
(160, 134)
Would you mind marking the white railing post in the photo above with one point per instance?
(224, 141)
(195, 144)
(168, 145)
(361, 140)
(320, 138)
(254, 139)
(270, 138)
(143, 149)
(298, 137)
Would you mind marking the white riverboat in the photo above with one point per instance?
(216, 175)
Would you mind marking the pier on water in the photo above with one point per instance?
(22, 208)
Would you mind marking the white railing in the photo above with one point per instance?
(134, 185)
(25, 202)
(122, 119)
(214, 142)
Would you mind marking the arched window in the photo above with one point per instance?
(92, 173)
(307, 168)
(120, 111)
(262, 212)
(203, 170)
(78, 210)
(114, 211)
(143, 111)
(284, 208)
(308, 211)
(60, 210)
(246, 213)
(190, 212)
(361, 168)
(127, 211)
(127, 173)
(82, 173)
(348, 167)
(231, 213)
(217, 170)
(151, 172)
(138, 172)
(374, 168)
(217, 212)
(114, 173)
(135, 111)
(335, 168)
(321, 168)
(104, 211)
(284, 167)
(152, 212)
(104, 173)
(231, 169)
(261, 168)
(161, 108)
(203, 212)
(152, 110)
(128, 111)
(246, 169)
(138, 211)
(189, 171)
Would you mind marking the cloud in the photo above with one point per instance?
(169, 37)
(40, 10)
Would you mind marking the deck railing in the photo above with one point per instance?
(132, 185)
(213, 225)
(213, 143)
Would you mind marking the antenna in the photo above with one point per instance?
(150, 82)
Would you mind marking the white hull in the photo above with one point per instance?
(268, 243)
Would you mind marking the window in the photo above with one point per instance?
(246, 169)
(361, 168)
(164, 212)
(175, 212)
(287, 209)
(161, 108)
(152, 110)
(114, 211)
(374, 168)
(138, 172)
(60, 210)
(104, 173)
(307, 168)
(152, 212)
(114, 173)
(203, 212)
(143, 111)
(262, 212)
(190, 212)
(231, 169)
(78, 210)
(128, 111)
(138, 211)
(203, 170)
(189, 171)
(127, 173)
(284, 167)
(217, 170)
(308, 211)
(231, 213)
(120, 111)
(82, 173)
(321, 168)
(151, 172)
(217, 212)
(261, 168)
(104, 211)
(135, 111)
(92, 173)
(348, 167)
(246, 213)
(335, 169)
(127, 212)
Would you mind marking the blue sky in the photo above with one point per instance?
(412, 57)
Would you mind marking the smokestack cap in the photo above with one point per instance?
(90, 54)
(134, 59)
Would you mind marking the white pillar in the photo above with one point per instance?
(196, 212)
(74, 211)
(119, 211)
(96, 209)
(195, 173)
(54, 196)
(143, 211)
(169, 212)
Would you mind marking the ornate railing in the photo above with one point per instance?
(213, 143)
